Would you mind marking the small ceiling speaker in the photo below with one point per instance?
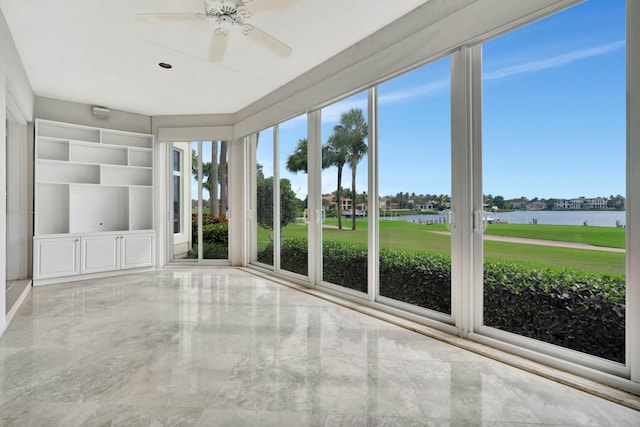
(101, 113)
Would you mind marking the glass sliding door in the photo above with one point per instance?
(292, 176)
(181, 199)
(414, 176)
(263, 203)
(344, 186)
(215, 229)
(554, 156)
(198, 193)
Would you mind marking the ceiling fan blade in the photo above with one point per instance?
(259, 6)
(169, 17)
(267, 41)
(218, 47)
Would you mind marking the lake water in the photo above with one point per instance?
(594, 218)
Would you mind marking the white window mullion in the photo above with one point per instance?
(251, 198)
(461, 191)
(633, 191)
(200, 248)
(373, 205)
(476, 292)
(276, 198)
(314, 199)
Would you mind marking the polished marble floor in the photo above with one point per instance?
(222, 347)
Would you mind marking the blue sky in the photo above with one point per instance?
(553, 115)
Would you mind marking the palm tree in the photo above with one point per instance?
(354, 125)
(297, 161)
(335, 151)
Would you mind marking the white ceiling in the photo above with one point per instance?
(96, 52)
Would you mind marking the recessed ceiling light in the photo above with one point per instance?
(165, 65)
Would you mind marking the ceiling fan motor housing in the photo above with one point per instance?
(215, 8)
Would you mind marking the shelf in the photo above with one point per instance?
(97, 154)
(53, 149)
(67, 131)
(140, 158)
(98, 208)
(64, 172)
(119, 175)
(126, 139)
(91, 180)
(52, 209)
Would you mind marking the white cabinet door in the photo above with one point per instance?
(56, 257)
(137, 250)
(100, 253)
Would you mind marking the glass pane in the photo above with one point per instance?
(414, 134)
(176, 203)
(264, 197)
(554, 139)
(192, 191)
(181, 199)
(344, 192)
(215, 228)
(176, 160)
(292, 141)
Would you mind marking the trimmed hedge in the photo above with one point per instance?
(345, 264)
(575, 310)
(422, 279)
(580, 311)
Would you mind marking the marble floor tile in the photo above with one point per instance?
(223, 347)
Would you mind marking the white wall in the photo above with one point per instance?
(13, 83)
(81, 114)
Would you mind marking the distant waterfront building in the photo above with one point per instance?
(596, 203)
(537, 206)
(581, 203)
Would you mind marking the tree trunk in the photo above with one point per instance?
(213, 180)
(224, 184)
(338, 198)
(354, 164)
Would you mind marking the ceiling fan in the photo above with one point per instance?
(227, 14)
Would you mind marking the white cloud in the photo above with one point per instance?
(430, 89)
(331, 114)
(554, 61)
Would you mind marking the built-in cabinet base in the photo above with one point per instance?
(61, 258)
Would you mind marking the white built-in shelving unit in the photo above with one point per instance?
(92, 185)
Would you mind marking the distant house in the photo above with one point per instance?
(518, 203)
(426, 206)
(537, 206)
(581, 203)
(596, 203)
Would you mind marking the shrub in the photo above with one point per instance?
(207, 220)
(294, 255)
(580, 311)
(422, 279)
(216, 233)
(211, 251)
(345, 264)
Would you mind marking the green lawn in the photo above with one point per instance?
(416, 237)
(609, 237)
